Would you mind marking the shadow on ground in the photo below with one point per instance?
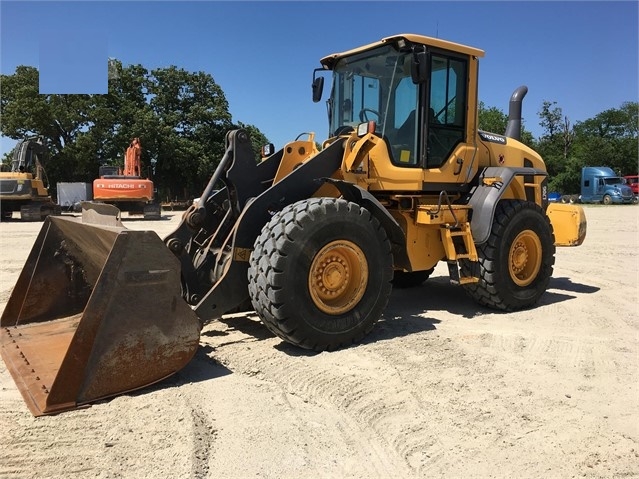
(409, 311)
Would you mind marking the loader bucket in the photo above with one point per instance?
(97, 311)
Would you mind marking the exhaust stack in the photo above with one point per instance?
(513, 128)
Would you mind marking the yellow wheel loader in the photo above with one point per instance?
(312, 241)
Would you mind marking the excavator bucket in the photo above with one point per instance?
(97, 311)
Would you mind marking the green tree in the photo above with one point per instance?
(192, 120)
(607, 139)
(610, 139)
(554, 146)
(492, 119)
(180, 117)
(60, 119)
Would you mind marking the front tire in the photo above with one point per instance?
(516, 262)
(320, 273)
(607, 200)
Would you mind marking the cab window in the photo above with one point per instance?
(447, 108)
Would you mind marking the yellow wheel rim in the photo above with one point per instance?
(338, 277)
(524, 259)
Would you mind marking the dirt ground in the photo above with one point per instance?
(441, 388)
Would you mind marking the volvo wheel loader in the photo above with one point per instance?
(312, 240)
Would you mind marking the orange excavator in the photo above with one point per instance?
(127, 189)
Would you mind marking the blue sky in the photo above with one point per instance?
(583, 55)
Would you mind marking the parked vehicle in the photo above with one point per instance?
(128, 190)
(600, 184)
(633, 182)
(23, 188)
(554, 197)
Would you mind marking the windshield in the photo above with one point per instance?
(614, 181)
(373, 85)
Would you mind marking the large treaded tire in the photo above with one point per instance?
(283, 291)
(514, 220)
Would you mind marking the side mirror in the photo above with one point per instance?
(419, 65)
(318, 86)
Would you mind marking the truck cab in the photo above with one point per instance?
(633, 182)
(600, 184)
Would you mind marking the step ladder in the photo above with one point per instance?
(458, 245)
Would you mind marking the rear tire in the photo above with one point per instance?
(516, 262)
(320, 273)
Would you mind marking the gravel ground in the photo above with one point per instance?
(440, 388)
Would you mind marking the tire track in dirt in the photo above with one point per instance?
(589, 357)
(36, 448)
(355, 382)
(123, 434)
(203, 436)
(327, 394)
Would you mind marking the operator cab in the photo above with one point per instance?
(419, 94)
(26, 155)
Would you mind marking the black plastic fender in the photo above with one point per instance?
(394, 231)
(484, 197)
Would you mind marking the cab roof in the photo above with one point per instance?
(329, 61)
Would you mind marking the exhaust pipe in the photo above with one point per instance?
(513, 128)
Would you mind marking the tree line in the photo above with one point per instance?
(182, 118)
(610, 139)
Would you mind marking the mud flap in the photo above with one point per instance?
(97, 311)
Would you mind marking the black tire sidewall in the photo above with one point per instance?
(291, 312)
(357, 232)
(528, 217)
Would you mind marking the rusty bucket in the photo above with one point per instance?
(96, 312)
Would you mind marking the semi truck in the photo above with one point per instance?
(600, 184)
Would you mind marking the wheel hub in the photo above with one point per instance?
(524, 258)
(338, 277)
